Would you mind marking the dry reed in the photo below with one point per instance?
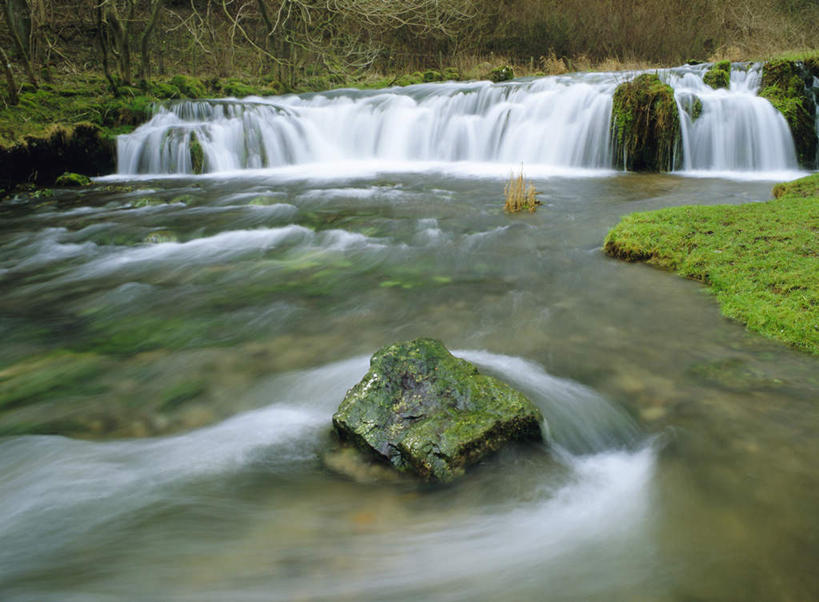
(520, 195)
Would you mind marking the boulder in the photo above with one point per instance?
(645, 125)
(718, 75)
(426, 412)
(786, 85)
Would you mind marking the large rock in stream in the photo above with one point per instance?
(429, 413)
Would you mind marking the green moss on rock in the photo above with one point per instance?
(501, 74)
(42, 159)
(426, 412)
(197, 155)
(645, 124)
(718, 75)
(73, 180)
(784, 84)
(189, 86)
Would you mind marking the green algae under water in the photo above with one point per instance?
(203, 340)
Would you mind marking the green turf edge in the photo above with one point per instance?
(761, 260)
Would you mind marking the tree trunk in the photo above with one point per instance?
(144, 40)
(14, 20)
(101, 36)
(13, 99)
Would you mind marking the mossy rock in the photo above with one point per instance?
(197, 155)
(40, 377)
(237, 88)
(785, 86)
(645, 125)
(428, 413)
(164, 90)
(161, 236)
(433, 76)
(70, 179)
(42, 159)
(718, 75)
(189, 86)
(501, 74)
(451, 74)
(409, 79)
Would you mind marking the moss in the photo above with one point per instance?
(645, 124)
(164, 90)
(161, 236)
(239, 89)
(784, 85)
(718, 75)
(696, 109)
(427, 412)
(181, 393)
(42, 159)
(761, 260)
(501, 74)
(433, 76)
(72, 180)
(451, 74)
(46, 375)
(409, 79)
(197, 155)
(188, 86)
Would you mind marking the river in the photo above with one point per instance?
(181, 341)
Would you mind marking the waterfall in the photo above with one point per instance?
(732, 129)
(559, 121)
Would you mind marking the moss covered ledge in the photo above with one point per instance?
(761, 260)
(645, 124)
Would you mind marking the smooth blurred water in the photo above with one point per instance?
(181, 348)
(556, 122)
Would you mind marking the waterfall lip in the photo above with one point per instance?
(744, 175)
(355, 169)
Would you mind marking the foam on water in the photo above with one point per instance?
(57, 490)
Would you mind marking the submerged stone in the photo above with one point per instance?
(73, 180)
(426, 412)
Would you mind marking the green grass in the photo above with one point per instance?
(761, 260)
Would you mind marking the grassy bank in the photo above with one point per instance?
(761, 260)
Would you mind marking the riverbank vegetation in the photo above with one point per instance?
(761, 260)
(316, 44)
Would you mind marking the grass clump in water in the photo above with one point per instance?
(520, 195)
(761, 260)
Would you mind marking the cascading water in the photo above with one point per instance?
(730, 129)
(561, 121)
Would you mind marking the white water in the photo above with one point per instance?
(551, 123)
(60, 491)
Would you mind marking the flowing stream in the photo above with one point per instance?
(175, 346)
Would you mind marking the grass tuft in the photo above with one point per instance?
(520, 195)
